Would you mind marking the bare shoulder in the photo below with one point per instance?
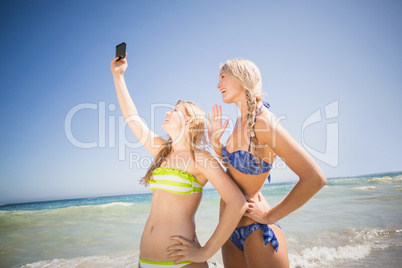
(203, 155)
(266, 120)
(205, 160)
(265, 126)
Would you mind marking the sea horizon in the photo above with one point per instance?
(354, 221)
(207, 188)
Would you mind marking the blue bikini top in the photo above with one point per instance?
(244, 161)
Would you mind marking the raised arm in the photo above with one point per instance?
(235, 207)
(216, 129)
(311, 177)
(145, 136)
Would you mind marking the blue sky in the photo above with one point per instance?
(56, 58)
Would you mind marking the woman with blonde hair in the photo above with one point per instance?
(256, 141)
(180, 170)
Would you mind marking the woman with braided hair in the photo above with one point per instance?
(256, 141)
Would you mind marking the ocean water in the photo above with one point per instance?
(351, 222)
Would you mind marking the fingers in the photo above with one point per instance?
(177, 254)
(251, 208)
(124, 59)
(219, 112)
(214, 112)
(179, 251)
(115, 59)
(251, 205)
(179, 260)
(175, 248)
(179, 239)
(249, 199)
(249, 214)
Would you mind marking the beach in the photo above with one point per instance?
(351, 222)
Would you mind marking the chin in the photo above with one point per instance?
(168, 128)
(226, 100)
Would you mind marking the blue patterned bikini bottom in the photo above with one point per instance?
(240, 235)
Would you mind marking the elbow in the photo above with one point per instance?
(243, 206)
(315, 179)
(323, 181)
(320, 180)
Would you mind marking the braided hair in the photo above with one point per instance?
(247, 74)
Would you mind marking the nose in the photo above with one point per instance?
(218, 86)
(167, 113)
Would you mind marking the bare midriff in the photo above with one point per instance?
(171, 214)
(250, 185)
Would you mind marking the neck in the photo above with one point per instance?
(181, 147)
(180, 144)
(242, 104)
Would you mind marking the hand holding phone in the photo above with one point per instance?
(117, 67)
(121, 51)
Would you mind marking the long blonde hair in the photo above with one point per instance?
(247, 74)
(195, 135)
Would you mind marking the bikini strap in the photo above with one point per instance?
(255, 118)
(237, 122)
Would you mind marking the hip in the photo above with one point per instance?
(156, 237)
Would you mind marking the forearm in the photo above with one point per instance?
(304, 190)
(126, 103)
(229, 219)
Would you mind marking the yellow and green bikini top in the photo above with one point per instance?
(175, 181)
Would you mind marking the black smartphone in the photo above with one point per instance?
(121, 51)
